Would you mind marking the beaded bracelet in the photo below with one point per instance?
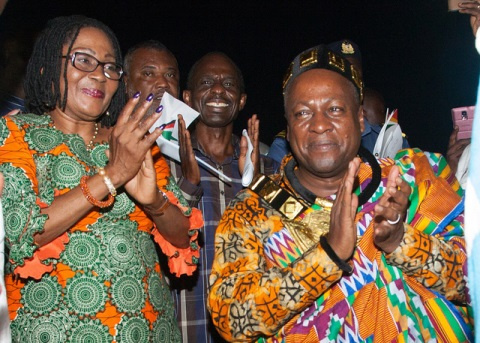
(160, 211)
(107, 181)
(90, 197)
(343, 265)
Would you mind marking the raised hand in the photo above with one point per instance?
(342, 236)
(190, 169)
(390, 212)
(130, 161)
(473, 9)
(253, 129)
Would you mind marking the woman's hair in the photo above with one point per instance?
(42, 80)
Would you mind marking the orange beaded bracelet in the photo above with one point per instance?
(89, 196)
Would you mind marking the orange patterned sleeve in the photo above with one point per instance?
(180, 261)
(434, 263)
(249, 298)
(433, 248)
(21, 204)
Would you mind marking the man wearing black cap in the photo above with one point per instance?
(339, 247)
(351, 52)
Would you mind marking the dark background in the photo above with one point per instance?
(419, 55)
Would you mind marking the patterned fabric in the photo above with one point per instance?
(265, 288)
(100, 281)
(211, 196)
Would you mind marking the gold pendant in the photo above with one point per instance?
(307, 231)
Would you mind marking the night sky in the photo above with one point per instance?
(419, 55)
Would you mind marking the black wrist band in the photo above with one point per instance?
(344, 266)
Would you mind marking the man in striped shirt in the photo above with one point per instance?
(215, 89)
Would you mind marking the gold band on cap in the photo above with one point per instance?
(321, 57)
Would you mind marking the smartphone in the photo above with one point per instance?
(463, 118)
(453, 5)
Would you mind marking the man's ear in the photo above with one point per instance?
(361, 118)
(243, 101)
(187, 97)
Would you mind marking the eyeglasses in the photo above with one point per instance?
(86, 62)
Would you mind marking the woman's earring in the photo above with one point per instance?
(107, 113)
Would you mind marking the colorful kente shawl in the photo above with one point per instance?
(100, 281)
(264, 287)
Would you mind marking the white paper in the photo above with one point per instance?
(168, 141)
(389, 140)
(172, 107)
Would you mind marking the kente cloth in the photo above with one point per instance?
(99, 281)
(267, 286)
(211, 196)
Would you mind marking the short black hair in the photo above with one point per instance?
(195, 65)
(42, 79)
(148, 44)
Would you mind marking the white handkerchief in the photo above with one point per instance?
(168, 141)
(248, 168)
(389, 140)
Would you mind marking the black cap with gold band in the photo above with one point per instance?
(320, 57)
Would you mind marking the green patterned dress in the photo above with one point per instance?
(98, 282)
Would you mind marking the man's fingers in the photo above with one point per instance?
(389, 214)
(243, 146)
(403, 186)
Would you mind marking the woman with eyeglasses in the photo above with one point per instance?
(86, 190)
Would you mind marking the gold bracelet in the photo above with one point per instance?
(107, 181)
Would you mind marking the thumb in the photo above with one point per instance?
(243, 147)
(148, 161)
(243, 153)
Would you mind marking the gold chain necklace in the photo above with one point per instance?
(90, 144)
